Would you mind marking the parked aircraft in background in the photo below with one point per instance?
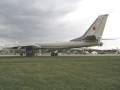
(92, 37)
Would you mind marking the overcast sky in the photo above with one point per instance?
(56, 20)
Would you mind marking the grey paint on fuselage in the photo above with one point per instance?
(70, 44)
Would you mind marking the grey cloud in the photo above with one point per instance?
(32, 19)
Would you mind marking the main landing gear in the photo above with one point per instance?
(54, 53)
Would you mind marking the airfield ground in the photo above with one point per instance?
(60, 73)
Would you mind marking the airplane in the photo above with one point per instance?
(92, 37)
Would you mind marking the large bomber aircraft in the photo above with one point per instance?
(92, 37)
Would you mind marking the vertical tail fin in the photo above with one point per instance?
(95, 31)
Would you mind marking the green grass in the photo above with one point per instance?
(60, 73)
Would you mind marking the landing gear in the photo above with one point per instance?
(54, 53)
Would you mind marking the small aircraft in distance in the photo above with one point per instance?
(92, 37)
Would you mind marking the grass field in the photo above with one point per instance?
(60, 73)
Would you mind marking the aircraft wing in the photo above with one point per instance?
(24, 49)
(22, 46)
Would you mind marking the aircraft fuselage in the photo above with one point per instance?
(70, 44)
